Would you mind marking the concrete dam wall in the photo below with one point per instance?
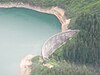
(56, 41)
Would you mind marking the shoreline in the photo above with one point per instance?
(56, 11)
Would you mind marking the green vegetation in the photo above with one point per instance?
(85, 47)
(61, 68)
(83, 50)
(72, 7)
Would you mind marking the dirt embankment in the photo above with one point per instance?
(58, 12)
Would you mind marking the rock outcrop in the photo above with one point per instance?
(48, 65)
(60, 14)
(26, 65)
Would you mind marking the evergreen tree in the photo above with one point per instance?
(86, 48)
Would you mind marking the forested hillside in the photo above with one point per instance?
(85, 47)
(81, 54)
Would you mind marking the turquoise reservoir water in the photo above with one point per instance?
(22, 32)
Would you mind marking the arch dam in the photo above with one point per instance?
(56, 41)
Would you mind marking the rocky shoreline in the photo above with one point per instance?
(58, 12)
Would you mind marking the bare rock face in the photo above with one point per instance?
(26, 64)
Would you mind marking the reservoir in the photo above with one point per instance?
(22, 32)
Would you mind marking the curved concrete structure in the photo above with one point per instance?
(56, 41)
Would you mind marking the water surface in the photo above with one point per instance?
(22, 32)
